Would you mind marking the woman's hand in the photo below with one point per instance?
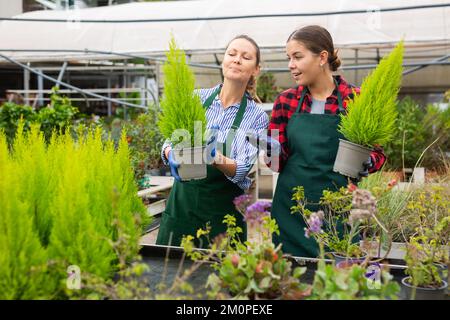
(172, 163)
(264, 142)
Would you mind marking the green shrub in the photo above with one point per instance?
(145, 142)
(266, 88)
(437, 126)
(23, 259)
(10, 114)
(409, 138)
(70, 202)
(57, 115)
(371, 115)
(417, 128)
(181, 108)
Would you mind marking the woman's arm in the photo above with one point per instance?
(226, 165)
(244, 156)
(277, 131)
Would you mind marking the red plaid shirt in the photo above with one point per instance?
(286, 104)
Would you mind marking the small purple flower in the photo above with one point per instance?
(314, 223)
(242, 202)
(257, 211)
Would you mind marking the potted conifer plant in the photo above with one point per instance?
(183, 118)
(371, 115)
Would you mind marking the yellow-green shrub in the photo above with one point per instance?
(180, 107)
(371, 115)
(23, 259)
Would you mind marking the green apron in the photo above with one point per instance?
(313, 140)
(193, 204)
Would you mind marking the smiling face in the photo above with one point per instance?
(304, 65)
(240, 61)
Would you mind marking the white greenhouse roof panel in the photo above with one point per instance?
(201, 26)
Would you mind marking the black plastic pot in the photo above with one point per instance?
(423, 293)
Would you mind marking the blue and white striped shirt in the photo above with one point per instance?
(254, 120)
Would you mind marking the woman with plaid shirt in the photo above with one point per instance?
(306, 119)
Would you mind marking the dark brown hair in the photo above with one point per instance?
(251, 85)
(316, 39)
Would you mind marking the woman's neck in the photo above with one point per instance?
(231, 93)
(322, 88)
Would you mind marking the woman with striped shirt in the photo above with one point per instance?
(232, 112)
(306, 120)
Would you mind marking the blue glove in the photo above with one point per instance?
(173, 166)
(264, 142)
(211, 144)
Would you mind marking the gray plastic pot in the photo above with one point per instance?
(442, 270)
(350, 157)
(423, 293)
(192, 164)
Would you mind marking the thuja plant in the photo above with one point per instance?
(62, 204)
(181, 108)
(371, 115)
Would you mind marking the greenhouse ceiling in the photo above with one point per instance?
(204, 28)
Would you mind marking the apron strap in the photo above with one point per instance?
(237, 120)
(341, 105)
(300, 102)
(211, 98)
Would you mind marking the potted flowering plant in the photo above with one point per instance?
(346, 215)
(339, 235)
(249, 270)
(425, 253)
(145, 142)
(254, 214)
(347, 280)
(425, 277)
(183, 118)
(370, 117)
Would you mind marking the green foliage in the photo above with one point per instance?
(391, 202)
(332, 283)
(437, 124)
(409, 138)
(23, 260)
(447, 96)
(64, 203)
(266, 89)
(250, 270)
(371, 115)
(422, 254)
(259, 272)
(417, 127)
(336, 236)
(181, 108)
(58, 115)
(428, 220)
(10, 114)
(145, 142)
(347, 282)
